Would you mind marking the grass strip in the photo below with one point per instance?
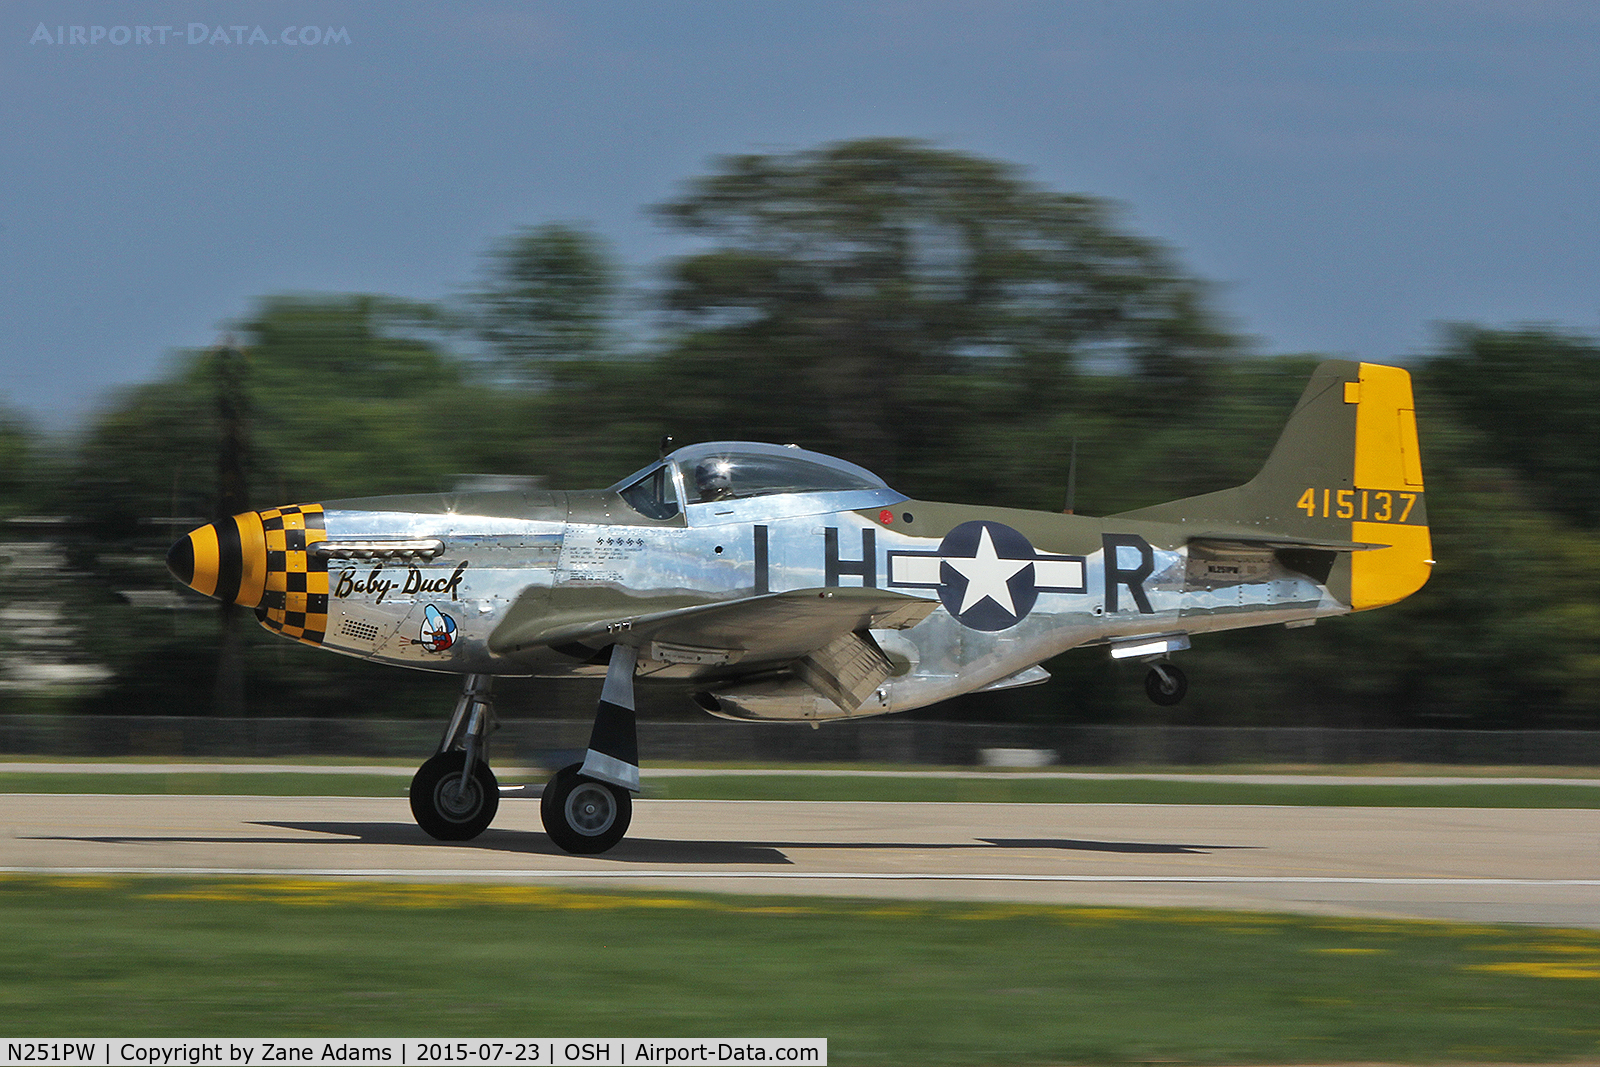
(201, 783)
(1119, 791)
(1005, 789)
(887, 982)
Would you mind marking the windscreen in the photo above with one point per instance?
(739, 475)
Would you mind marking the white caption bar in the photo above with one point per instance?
(411, 1052)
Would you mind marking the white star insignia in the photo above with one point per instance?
(987, 575)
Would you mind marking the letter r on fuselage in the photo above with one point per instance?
(1132, 577)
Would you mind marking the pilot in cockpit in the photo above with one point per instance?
(714, 479)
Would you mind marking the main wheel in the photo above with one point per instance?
(448, 808)
(1166, 684)
(584, 815)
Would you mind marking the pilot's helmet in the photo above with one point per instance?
(714, 478)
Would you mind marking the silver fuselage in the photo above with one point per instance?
(570, 558)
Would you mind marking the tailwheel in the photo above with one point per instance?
(450, 805)
(584, 815)
(1165, 684)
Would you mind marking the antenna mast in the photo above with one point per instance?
(1072, 480)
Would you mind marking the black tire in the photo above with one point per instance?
(1167, 690)
(584, 815)
(446, 811)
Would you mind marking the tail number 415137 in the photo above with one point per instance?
(1367, 505)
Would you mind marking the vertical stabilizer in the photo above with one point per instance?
(1346, 471)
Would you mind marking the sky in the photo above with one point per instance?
(1348, 176)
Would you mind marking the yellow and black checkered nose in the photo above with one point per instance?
(263, 560)
(227, 560)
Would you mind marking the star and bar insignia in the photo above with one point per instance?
(987, 574)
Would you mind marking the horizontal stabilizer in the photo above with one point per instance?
(1274, 541)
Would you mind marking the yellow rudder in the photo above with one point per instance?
(1388, 477)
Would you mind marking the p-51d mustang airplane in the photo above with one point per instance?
(791, 586)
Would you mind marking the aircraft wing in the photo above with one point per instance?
(757, 631)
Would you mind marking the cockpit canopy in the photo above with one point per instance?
(721, 472)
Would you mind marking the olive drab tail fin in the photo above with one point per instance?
(1345, 478)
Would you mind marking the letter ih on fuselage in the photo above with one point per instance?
(1343, 485)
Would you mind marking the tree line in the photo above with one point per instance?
(933, 315)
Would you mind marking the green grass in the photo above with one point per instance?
(202, 783)
(1119, 791)
(886, 982)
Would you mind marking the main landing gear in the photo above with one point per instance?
(454, 796)
(584, 815)
(586, 807)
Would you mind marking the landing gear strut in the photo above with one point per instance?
(454, 796)
(587, 807)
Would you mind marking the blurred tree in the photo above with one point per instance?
(1533, 394)
(355, 395)
(16, 462)
(857, 295)
(233, 497)
(548, 296)
(18, 449)
(346, 395)
(151, 452)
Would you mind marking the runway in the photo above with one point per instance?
(1539, 866)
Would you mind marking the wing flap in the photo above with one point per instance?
(846, 670)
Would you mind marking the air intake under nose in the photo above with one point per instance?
(226, 560)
